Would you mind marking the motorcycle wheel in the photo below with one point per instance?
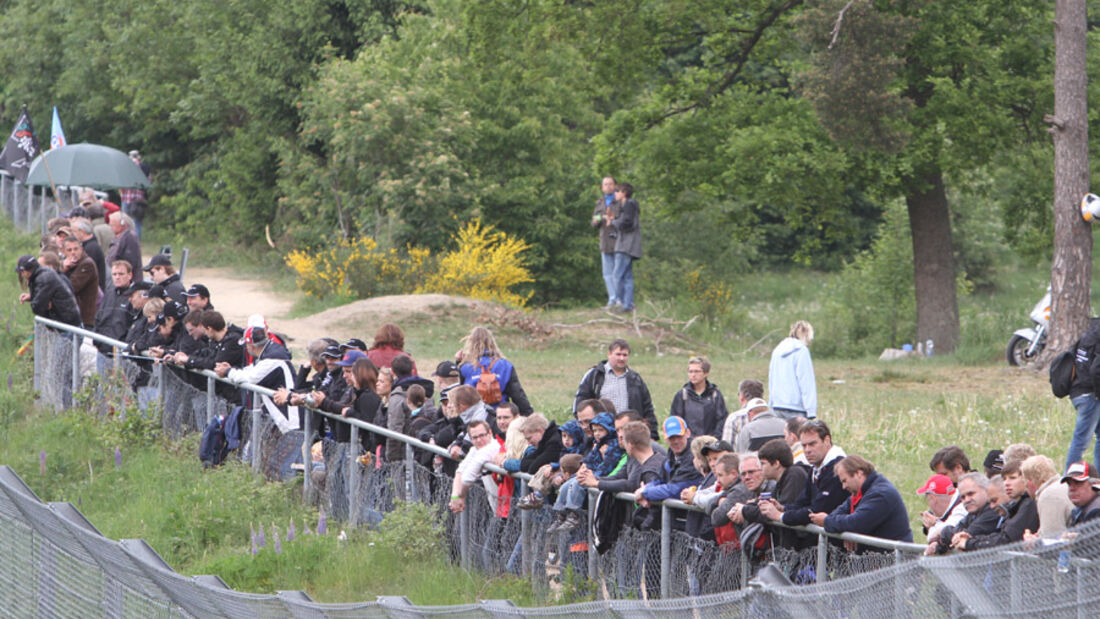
(1016, 353)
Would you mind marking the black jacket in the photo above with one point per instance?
(823, 495)
(546, 452)
(363, 407)
(1087, 374)
(704, 414)
(53, 298)
(983, 522)
(790, 486)
(95, 252)
(173, 287)
(637, 393)
(113, 318)
(1022, 515)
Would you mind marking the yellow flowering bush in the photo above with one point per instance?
(487, 264)
(713, 297)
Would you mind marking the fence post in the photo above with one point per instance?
(307, 453)
(76, 364)
(666, 550)
(353, 478)
(42, 210)
(822, 558)
(899, 586)
(463, 540)
(4, 193)
(27, 219)
(593, 557)
(410, 483)
(39, 360)
(744, 569)
(255, 440)
(1014, 583)
(524, 534)
(210, 384)
(159, 371)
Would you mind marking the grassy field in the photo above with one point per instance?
(896, 414)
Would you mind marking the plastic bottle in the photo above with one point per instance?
(928, 346)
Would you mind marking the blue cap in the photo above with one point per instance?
(675, 426)
(350, 357)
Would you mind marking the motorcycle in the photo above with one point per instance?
(1026, 344)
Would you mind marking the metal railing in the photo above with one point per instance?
(898, 548)
(30, 207)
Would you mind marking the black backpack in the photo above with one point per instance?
(1063, 369)
(214, 446)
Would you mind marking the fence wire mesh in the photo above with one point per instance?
(52, 564)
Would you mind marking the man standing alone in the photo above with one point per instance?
(602, 216)
(628, 245)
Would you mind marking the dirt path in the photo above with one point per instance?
(237, 298)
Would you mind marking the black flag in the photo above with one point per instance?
(21, 149)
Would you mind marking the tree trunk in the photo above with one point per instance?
(933, 263)
(1071, 269)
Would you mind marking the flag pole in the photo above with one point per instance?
(53, 186)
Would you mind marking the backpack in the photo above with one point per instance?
(214, 446)
(488, 386)
(1063, 369)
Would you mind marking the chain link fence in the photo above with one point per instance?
(54, 563)
(29, 207)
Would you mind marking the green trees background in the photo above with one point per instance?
(758, 134)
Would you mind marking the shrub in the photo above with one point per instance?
(487, 264)
(359, 269)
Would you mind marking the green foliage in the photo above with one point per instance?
(413, 531)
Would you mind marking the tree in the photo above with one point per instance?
(1071, 271)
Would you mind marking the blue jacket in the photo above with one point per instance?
(880, 512)
(791, 382)
(822, 494)
(599, 463)
(679, 472)
(510, 388)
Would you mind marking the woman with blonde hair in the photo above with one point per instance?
(792, 388)
(483, 366)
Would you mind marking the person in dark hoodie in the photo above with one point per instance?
(1082, 393)
(678, 473)
(48, 295)
(397, 405)
(163, 274)
(699, 402)
(874, 506)
(224, 346)
(603, 459)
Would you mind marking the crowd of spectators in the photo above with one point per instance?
(745, 473)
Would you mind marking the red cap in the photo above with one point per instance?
(937, 484)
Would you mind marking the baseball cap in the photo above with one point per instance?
(350, 358)
(716, 446)
(755, 403)
(446, 369)
(1080, 471)
(138, 286)
(937, 484)
(197, 290)
(155, 291)
(675, 426)
(332, 351)
(994, 460)
(355, 343)
(254, 335)
(159, 260)
(445, 393)
(26, 262)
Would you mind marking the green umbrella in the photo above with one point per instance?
(86, 165)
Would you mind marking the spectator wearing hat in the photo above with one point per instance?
(82, 274)
(331, 395)
(198, 297)
(981, 517)
(114, 315)
(1051, 497)
(270, 366)
(1084, 492)
(763, 426)
(697, 524)
(747, 391)
(678, 472)
(354, 344)
(49, 296)
(162, 272)
(389, 342)
(792, 388)
(944, 506)
(699, 402)
(125, 245)
(993, 462)
(170, 328)
(138, 295)
(874, 506)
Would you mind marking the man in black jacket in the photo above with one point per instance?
(981, 518)
(777, 461)
(114, 316)
(1082, 393)
(1023, 515)
(49, 296)
(613, 379)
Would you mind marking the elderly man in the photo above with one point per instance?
(82, 274)
(777, 464)
(613, 379)
(763, 426)
(1021, 515)
(874, 506)
(164, 275)
(944, 506)
(49, 295)
(747, 391)
(981, 517)
(470, 469)
(125, 245)
(732, 508)
(825, 492)
(1051, 497)
(1084, 492)
(82, 230)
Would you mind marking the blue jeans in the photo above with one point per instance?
(570, 496)
(1088, 414)
(624, 279)
(608, 263)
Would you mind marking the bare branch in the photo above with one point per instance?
(839, 21)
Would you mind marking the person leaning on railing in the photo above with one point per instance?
(49, 296)
(874, 506)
